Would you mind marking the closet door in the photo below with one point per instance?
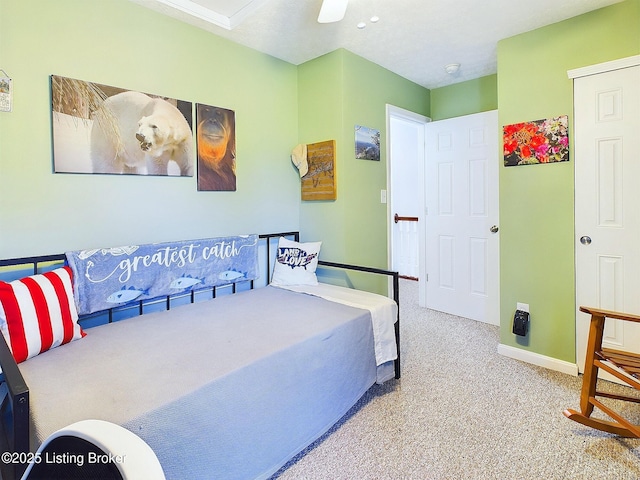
(607, 210)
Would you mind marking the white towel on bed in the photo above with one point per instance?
(384, 313)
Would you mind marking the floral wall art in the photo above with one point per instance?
(539, 141)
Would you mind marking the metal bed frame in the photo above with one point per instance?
(14, 392)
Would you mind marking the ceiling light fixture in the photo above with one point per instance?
(452, 68)
(361, 25)
(375, 18)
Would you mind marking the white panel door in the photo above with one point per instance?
(607, 212)
(462, 252)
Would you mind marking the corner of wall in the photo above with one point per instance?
(537, 261)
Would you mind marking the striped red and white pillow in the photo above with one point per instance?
(38, 313)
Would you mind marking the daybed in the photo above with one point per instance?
(229, 388)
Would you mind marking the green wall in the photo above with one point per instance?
(122, 44)
(320, 97)
(537, 201)
(337, 92)
(465, 98)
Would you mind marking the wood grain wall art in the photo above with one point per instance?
(320, 181)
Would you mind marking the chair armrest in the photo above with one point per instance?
(610, 314)
(132, 456)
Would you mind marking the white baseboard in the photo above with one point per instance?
(539, 360)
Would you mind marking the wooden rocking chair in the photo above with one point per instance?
(623, 365)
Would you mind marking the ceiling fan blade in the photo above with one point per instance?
(332, 11)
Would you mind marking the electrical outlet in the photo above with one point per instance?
(522, 306)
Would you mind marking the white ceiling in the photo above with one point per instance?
(413, 38)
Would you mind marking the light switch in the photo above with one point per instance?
(383, 196)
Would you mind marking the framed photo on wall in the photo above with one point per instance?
(216, 145)
(102, 129)
(367, 143)
(536, 142)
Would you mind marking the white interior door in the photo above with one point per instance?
(462, 251)
(607, 212)
(406, 136)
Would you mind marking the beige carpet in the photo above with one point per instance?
(461, 411)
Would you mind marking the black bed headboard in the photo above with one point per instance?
(38, 264)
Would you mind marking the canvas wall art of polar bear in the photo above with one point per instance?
(101, 129)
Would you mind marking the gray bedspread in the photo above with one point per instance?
(230, 388)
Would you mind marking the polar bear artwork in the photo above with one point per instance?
(135, 133)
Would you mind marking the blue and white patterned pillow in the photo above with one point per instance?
(296, 263)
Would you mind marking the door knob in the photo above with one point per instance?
(586, 240)
(494, 229)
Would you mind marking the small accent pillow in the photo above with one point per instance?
(38, 313)
(296, 263)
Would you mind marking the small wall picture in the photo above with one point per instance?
(5, 92)
(102, 129)
(367, 143)
(539, 141)
(216, 143)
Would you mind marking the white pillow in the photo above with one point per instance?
(296, 263)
